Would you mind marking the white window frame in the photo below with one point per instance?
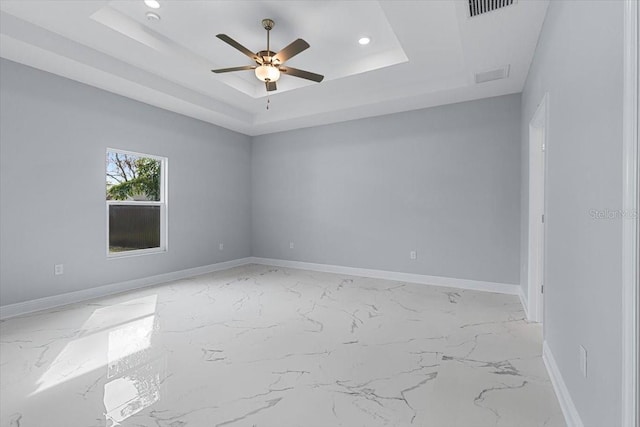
(163, 248)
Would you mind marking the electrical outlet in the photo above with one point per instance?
(58, 269)
(221, 246)
(413, 255)
(291, 245)
(583, 360)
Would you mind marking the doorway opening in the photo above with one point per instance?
(537, 179)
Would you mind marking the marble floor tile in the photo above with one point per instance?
(260, 346)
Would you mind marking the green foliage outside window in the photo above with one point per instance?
(131, 177)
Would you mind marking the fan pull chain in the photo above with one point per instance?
(268, 101)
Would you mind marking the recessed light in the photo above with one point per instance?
(151, 16)
(364, 40)
(153, 4)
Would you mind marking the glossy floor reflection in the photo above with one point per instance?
(271, 347)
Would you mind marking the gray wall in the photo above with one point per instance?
(53, 137)
(579, 62)
(444, 181)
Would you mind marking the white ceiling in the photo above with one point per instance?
(422, 54)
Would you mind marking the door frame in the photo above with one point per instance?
(538, 146)
(630, 226)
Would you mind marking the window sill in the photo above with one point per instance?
(135, 253)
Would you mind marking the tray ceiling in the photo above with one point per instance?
(422, 53)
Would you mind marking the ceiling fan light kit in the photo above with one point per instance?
(267, 73)
(270, 64)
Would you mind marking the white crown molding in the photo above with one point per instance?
(571, 416)
(18, 309)
(631, 239)
(475, 285)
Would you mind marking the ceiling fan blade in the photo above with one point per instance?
(225, 38)
(271, 86)
(290, 51)
(228, 70)
(302, 74)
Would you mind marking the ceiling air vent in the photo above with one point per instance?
(478, 7)
(497, 74)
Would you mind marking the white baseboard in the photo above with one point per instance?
(12, 310)
(524, 302)
(571, 416)
(476, 285)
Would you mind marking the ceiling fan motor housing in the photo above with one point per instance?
(266, 56)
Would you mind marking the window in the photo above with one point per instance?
(136, 203)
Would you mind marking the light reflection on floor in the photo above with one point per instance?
(119, 338)
(130, 393)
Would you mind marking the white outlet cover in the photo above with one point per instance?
(413, 255)
(58, 269)
(221, 246)
(291, 245)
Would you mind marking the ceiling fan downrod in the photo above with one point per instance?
(268, 25)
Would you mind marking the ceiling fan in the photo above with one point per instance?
(270, 64)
